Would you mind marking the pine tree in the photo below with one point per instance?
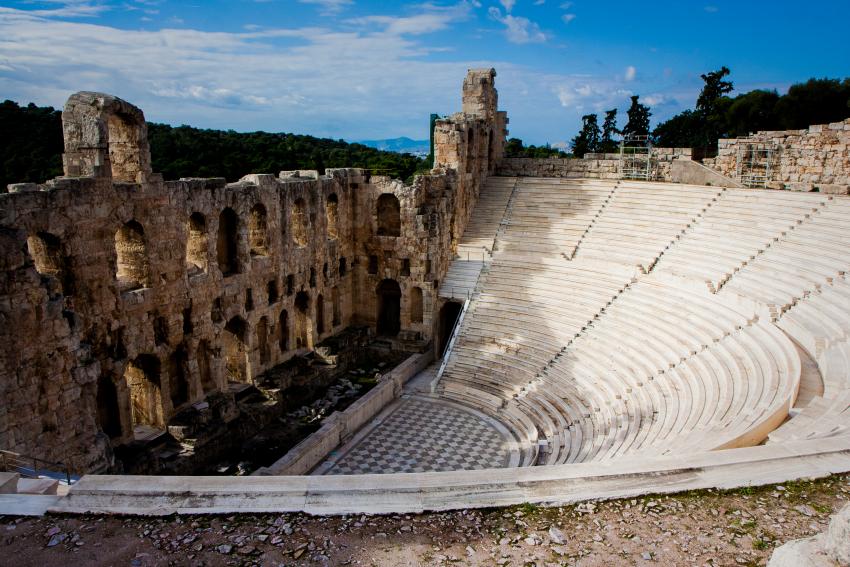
(638, 114)
(609, 130)
(588, 139)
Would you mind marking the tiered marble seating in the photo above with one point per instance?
(801, 261)
(476, 245)
(641, 219)
(486, 216)
(709, 251)
(549, 216)
(628, 336)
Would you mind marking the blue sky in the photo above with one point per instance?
(357, 69)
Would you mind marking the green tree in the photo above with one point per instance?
(751, 112)
(638, 119)
(609, 131)
(514, 148)
(587, 140)
(711, 106)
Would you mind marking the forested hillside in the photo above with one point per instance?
(31, 150)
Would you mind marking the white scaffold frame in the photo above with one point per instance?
(755, 163)
(637, 158)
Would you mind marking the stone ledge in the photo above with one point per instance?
(418, 492)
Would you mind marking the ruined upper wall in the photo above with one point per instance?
(817, 157)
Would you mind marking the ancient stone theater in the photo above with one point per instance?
(501, 330)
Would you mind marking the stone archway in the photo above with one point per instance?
(389, 308)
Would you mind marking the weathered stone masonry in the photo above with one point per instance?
(816, 157)
(124, 298)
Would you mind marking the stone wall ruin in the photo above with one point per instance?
(817, 157)
(125, 298)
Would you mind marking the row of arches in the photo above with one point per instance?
(133, 270)
(132, 261)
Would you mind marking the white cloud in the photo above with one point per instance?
(508, 4)
(68, 9)
(518, 29)
(431, 19)
(567, 18)
(711, 9)
(328, 6)
(631, 73)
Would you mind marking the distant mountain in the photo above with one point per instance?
(401, 145)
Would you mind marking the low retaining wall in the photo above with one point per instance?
(627, 477)
(690, 172)
(339, 426)
(593, 166)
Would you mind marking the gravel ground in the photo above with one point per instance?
(739, 527)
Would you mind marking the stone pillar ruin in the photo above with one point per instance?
(105, 137)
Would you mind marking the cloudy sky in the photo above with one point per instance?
(358, 69)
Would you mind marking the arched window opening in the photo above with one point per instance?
(108, 410)
(389, 308)
(235, 351)
(132, 257)
(258, 231)
(416, 305)
(283, 331)
(320, 315)
(312, 277)
(227, 245)
(49, 259)
(263, 340)
(143, 380)
(300, 223)
(337, 308)
(178, 377)
(272, 292)
(197, 246)
(302, 320)
(205, 368)
(389, 215)
(160, 330)
(332, 210)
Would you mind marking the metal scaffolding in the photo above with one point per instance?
(755, 163)
(637, 159)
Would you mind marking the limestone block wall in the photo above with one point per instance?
(817, 157)
(125, 298)
(593, 166)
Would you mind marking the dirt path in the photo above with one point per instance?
(739, 527)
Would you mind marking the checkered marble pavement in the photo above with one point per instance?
(425, 435)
